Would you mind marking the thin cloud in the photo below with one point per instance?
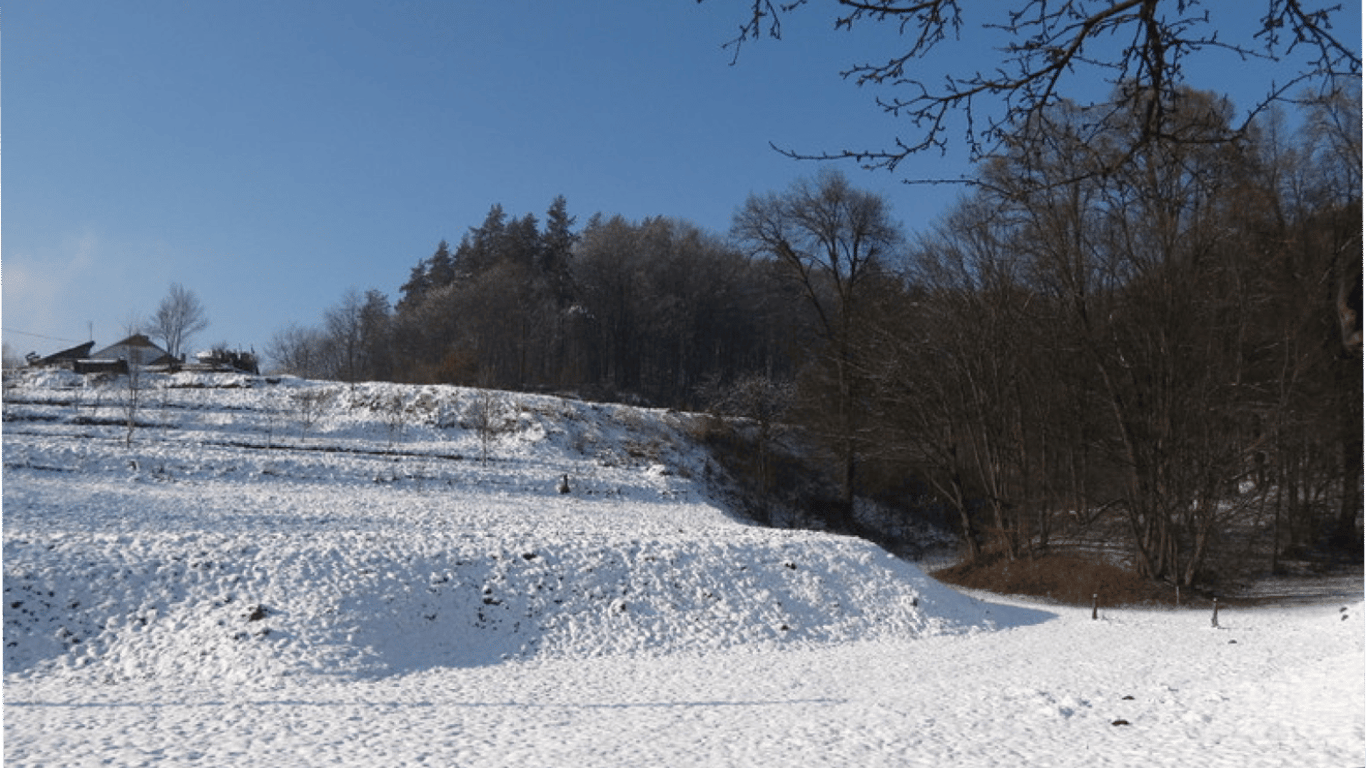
(43, 293)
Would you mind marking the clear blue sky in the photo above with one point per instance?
(270, 155)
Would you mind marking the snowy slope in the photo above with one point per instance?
(303, 573)
(234, 541)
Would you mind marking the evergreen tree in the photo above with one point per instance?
(415, 289)
(521, 243)
(441, 271)
(376, 328)
(481, 247)
(556, 251)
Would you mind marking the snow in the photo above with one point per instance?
(287, 572)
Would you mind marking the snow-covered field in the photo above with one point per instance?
(301, 573)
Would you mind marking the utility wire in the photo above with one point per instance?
(39, 336)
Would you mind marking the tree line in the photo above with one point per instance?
(1162, 337)
(643, 311)
(1174, 341)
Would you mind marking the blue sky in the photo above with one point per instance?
(271, 155)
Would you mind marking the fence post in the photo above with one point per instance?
(1095, 605)
(1214, 620)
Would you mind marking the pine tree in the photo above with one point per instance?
(442, 270)
(557, 245)
(482, 246)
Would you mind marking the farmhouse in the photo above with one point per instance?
(139, 350)
(136, 350)
(64, 359)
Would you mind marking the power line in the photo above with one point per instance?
(39, 336)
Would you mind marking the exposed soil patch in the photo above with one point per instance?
(1073, 580)
(1064, 578)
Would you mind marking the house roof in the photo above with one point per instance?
(138, 345)
(75, 353)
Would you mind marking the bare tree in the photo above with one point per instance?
(833, 241)
(345, 324)
(1332, 138)
(1046, 52)
(962, 363)
(309, 405)
(9, 374)
(177, 319)
(303, 351)
(1142, 271)
(766, 401)
(487, 413)
(134, 380)
(356, 336)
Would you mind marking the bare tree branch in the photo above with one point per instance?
(178, 318)
(1138, 47)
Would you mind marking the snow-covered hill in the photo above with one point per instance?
(293, 572)
(254, 530)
